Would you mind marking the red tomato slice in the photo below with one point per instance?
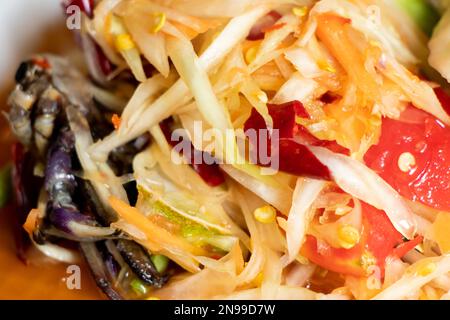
(428, 140)
(379, 240)
(344, 261)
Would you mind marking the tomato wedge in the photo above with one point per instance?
(413, 156)
(379, 240)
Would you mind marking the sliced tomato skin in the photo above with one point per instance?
(428, 140)
(380, 235)
(379, 240)
(344, 261)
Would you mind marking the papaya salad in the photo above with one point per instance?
(352, 97)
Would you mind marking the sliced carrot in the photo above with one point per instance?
(31, 222)
(153, 232)
(335, 33)
(116, 121)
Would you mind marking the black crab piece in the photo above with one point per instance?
(99, 269)
(61, 185)
(133, 254)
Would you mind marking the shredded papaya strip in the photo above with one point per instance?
(153, 232)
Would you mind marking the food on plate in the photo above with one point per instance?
(251, 149)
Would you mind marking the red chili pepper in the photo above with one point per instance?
(444, 98)
(103, 61)
(210, 173)
(294, 157)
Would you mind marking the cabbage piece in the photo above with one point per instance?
(152, 46)
(278, 195)
(358, 180)
(258, 257)
(415, 277)
(273, 40)
(419, 92)
(97, 29)
(233, 33)
(227, 9)
(127, 47)
(196, 230)
(304, 62)
(218, 278)
(198, 218)
(187, 64)
(144, 93)
(301, 213)
(296, 88)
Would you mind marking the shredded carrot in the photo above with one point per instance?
(153, 232)
(31, 222)
(335, 33)
(273, 28)
(116, 121)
